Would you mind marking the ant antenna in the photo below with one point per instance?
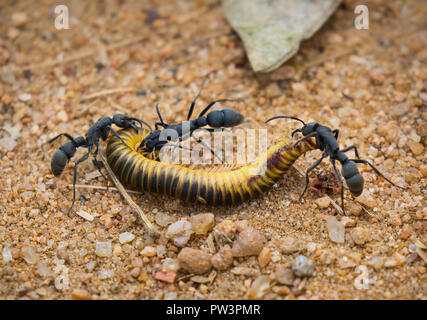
(285, 117)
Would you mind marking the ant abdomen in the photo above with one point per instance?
(353, 178)
(58, 162)
(224, 118)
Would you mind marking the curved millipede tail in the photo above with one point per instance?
(213, 188)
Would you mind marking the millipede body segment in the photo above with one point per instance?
(213, 188)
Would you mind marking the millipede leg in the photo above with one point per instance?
(341, 184)
(376, 171)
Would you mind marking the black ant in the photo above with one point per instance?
(225, 118)
(99, 130)
(326, 140)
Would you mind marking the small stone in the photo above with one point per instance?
(376, 262)
(241, 225)
(135, 272)
(223, 259)
(366, 199)
(303, 267)
(103, 249)
(227, 228)
(290, 245)
(273, 90)
(163, 219)
(348, 222)
(180, 232)
(195, 261)
(390, 263)
(148, 251)
(245, 271)
(126, 237)
(117, 251)
(360, 235)
(29, 254)
(202, 223)
(311, 247)
(400, 110)
(264, 257)
(336, 230)
(161, 251)
(259, 287)
(406, 232)
(85, 215)
(168, 277)
(19, 19)
(24, 97)
(284, 275)
(7, 254)
(323, 202)
(43, 269)
(105, 274)
(344, 262)
(249, 242)
(80, 294)
(62, 116)
(395, 219)
(354, 208)
(7, 143)
(170, 265)
(377, 76)
(416, 148)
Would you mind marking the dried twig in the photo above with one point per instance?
(105, 93)
(152, 231)
(88, 186)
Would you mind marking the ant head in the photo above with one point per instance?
(309, 128)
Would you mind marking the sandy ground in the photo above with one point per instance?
(371, 84)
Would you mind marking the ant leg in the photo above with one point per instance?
(341, 183)
(141, 122)
(350, 148)
(193, 103)
(336, 132)
(307, 179)
(60, 135)
(97, 163)
(120, 138)
(75, 174)
(313, 134)
(376, 171)
(211, 104)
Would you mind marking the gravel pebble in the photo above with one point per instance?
(416, 147)
(290, 245)
(194, 260)
(323, 202)
(336, 230)
(80, 294)
(168, 277)
(259, 287)
(223, 259)
(103, 249)
(284, 275)
(202, 223)
(163, 219)
(227, 228)
(126, 237)
(303, 267)
(180, 232)
(360, 235)
(249, 242)
(29, 254)
(264, 257)
(148, 251)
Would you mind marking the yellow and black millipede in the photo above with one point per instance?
(213, 188)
